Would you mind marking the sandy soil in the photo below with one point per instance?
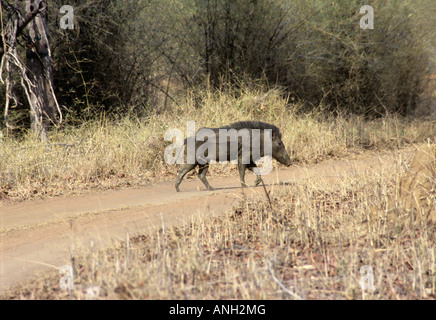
(39, 235)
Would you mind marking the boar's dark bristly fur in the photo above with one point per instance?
(278, 151)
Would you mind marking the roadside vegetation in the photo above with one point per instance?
(131, 70)
(106, 153)
(310, 241)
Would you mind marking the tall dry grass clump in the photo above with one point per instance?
(417, 192)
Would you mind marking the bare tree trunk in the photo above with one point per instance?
(39, 71)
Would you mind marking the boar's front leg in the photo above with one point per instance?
(258, 177)
(241, 168)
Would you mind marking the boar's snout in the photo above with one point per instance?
(283, 157)
(288, 162)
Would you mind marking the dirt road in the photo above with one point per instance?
(42, 234)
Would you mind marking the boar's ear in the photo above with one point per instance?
(274, 135)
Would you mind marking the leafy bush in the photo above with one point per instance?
(140, 56)
(96, 65)
(318, 53)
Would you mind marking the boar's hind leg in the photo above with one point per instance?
(202, 175)
(258, 177)
(186, 168)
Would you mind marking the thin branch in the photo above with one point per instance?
(281, 285)
(267, 195)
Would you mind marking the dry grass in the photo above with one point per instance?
(312, 244)
(418, 186)
(107, 154)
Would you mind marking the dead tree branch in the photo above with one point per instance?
(31, 78)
